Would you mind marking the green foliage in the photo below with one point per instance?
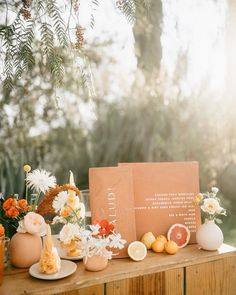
(19, 42)
(133, 9)
(19, 39)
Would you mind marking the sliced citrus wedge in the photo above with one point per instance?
(180, 234)
(137, 251)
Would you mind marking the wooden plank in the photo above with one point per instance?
(212, 278)
(162, 283)
(18, 282)
(94, 290)
(174, 282)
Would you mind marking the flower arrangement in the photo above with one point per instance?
(13, 210)
(17, 211)
(99, 239)
(70, 211)
(210, 204)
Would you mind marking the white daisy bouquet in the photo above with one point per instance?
(210, 204)
(99, 239)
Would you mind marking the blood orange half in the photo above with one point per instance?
(180, 234)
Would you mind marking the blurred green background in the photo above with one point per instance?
(161, 90)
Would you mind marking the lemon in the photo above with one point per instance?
(147, 239)
(137, 251)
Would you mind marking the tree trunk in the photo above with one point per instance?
(147, 33)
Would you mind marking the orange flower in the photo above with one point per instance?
(12, 212)
(106, 228)
(65, 212)
(22, 203)
(2, 230)
(10, 202)
(198, 198)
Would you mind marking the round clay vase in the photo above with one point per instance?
(24, 249)
(209, 236)
(95, 263)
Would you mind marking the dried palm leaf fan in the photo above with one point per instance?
(45, 207)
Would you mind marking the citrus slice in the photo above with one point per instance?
(137, 251)
(180, 234)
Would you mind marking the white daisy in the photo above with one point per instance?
(60, 201)
(116, 241)
(40, 180)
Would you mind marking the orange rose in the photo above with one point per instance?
(12, 212)
(2, 230)
(22, 203)
(10, 202)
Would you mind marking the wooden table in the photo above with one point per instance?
(191, 271)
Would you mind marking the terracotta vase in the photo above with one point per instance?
(24, 249)
(95, 263)
(209, 236)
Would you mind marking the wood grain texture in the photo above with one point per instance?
(212, 278)
(162, 283)
(174, 282)
(94, 290)
(17, 282)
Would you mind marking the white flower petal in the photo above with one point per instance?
(40, 180)
(59, 201)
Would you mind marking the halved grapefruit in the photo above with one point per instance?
(180, 234)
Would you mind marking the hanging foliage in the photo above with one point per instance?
(47, 25)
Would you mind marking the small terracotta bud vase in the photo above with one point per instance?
(209, 236)
(24, 249)
(95, 263)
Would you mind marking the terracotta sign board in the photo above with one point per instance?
(163, 194)
(112, 198)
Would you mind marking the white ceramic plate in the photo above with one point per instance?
(67, 269)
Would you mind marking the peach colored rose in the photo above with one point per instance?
(32, 223)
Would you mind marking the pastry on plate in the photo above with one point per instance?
(50, 261)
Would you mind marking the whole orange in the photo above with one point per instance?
(161, 238)
(171, 247)
(158, 246)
